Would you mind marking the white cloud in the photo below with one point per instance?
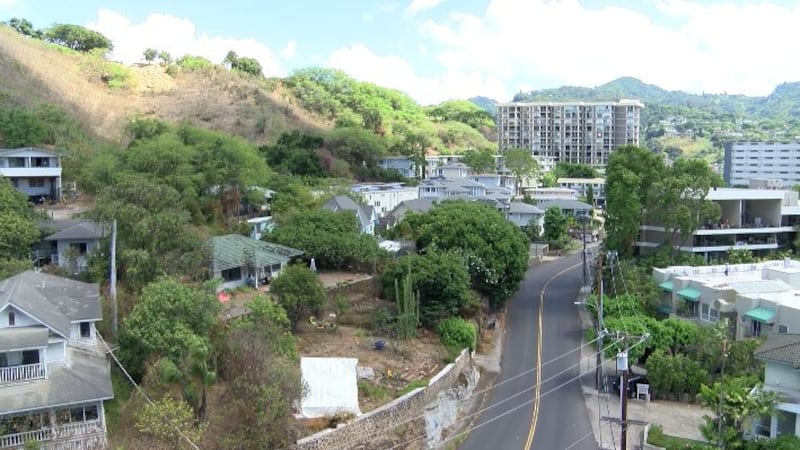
(417, 6)
(179, 37)
(392, 71)
(290, 50)
(737, 48)
(8, 4)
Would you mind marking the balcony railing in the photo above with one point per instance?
(25, 372)
(61, 432)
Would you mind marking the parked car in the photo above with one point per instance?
(633, 380)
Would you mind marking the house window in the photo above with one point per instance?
(30, 357)
(12, 318)
(86, 329)
(36, 182)
(234, 274)
(3, 360)
(79, 248)
(783, 329)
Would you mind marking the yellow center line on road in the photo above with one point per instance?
(538, 387)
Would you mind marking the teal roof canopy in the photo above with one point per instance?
(667, 286)
(690, 294)
(761, 314)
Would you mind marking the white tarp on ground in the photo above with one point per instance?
(332, 386)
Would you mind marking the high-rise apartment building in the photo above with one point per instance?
(578, 132)
(747, 161)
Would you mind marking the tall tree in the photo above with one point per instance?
(24, 27)
(737, 401)
(521, 164)
(414, 144)
(630, 174)
(495, 250)
(77, 38)
(555, 225)
(17, 227)
(480, 161)
(299, 291)
(150, 54)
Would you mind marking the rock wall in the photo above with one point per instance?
(379, 422)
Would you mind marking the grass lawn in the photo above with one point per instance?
(658, 438)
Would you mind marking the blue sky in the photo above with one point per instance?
(440, 49)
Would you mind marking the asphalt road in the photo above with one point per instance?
(561, 420)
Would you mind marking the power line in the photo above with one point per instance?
(475, 393)
(503, 414)
(141, 391)
(504, 400)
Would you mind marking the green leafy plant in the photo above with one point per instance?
(457, 333)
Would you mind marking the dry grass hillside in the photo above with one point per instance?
(33, 73)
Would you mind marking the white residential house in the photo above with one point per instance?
(34, 171)
(781, 357)
(582, 185)
(523, 214)
(401, 164)
(760, 220)
(54, 375)
(69, 242)
(542, 195)
(239, 260)
(454, 170)
(384, 197)
(259, 226)
(366, 215)
(758, 299)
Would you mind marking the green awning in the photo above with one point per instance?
(689, 294)
(667, 286)
(761, 314)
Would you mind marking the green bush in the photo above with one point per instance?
(192, 62)
(457, 333)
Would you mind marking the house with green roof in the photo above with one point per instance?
(239, 260)
(781, 357)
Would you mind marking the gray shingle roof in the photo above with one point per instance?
(19, 338)
(86, 379)
(567, 203)
(56, 301)
(83, 230)
(782, 348)
(345, 203)
(234, 250)
(523, 208)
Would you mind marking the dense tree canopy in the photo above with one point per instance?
(521, 163)
(299, 291)
(441, 279)
(640, 187)
(494, 250)
(77, 38)
(575, 170)
(480, 161)
(333, 239)
(17, 227)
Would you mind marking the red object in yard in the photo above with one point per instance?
(223, 297)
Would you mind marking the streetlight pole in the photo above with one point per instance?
(583, 238)
(600, 325)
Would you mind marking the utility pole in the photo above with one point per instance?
(583, 238)
(623, 389)
(600, 325)
(113, 281)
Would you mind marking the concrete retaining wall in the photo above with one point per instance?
(384, 420)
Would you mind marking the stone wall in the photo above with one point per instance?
(366, 289)
(384, 420)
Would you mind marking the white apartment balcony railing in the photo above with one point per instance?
(60, 432)
(24, 372)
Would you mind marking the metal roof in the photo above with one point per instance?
(81, 230)
(761, 314)
(234, 250)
